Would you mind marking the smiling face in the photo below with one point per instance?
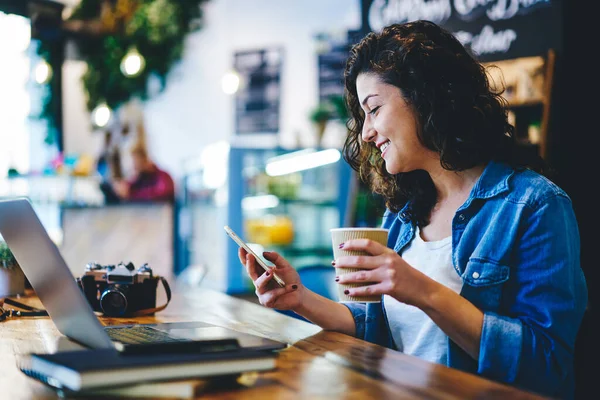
(390, 123)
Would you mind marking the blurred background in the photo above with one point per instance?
(230, 112)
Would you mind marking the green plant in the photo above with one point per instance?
(332, 108)
(321, 113)
(7, 259)
(105, 30)
(339, 104)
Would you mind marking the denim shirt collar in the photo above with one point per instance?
(493, 181)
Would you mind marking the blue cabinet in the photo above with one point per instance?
(276, 199)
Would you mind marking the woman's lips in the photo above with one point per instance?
(385, 150)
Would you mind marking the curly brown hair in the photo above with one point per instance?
(459, 114)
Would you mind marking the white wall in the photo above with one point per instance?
(193, 111)
(78, 136)
(14, 93)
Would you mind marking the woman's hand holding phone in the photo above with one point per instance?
(269, 293)
(274, 290)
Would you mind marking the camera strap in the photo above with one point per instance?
(27, 311)
(148, 311)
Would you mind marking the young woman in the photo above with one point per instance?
(482, 269)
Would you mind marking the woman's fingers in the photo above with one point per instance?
(269, 299)
(377, 255)
(242, 255)
(370, 246)
(262, 282)
(369, 290)
(359, 276)
(276, 259)
(267, 289)
(253, 270)
(363, 262)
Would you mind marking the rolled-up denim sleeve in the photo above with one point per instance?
(500, 336)
(359, 313)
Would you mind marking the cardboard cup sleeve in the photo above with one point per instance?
(342, 235)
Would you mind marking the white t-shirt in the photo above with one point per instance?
(412, 330)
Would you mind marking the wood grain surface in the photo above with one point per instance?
(317, 364)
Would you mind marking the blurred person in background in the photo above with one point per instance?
(482, 269)
(149, 182)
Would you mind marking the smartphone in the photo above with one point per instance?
(259, 260)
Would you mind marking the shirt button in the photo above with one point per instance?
(461, 217)
(475, 275)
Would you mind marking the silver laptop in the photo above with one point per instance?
(55, 285)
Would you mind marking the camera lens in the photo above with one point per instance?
(113, 302)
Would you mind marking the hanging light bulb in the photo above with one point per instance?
(133, 63)
(42, 72)
(101, 115)
(230, 83)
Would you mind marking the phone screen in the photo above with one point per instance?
(258, 259)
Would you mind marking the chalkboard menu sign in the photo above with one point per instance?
(332, 63)
(494, 29)
(257, 101)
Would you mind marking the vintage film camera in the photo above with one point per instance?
(121, 290)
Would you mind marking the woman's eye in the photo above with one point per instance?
(373, 111)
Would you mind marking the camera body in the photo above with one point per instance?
(119, 290)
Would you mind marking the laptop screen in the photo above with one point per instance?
(56, 287)
(49, 275)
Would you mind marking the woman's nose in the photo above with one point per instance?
(368, 132)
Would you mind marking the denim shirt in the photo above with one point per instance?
(515, 245)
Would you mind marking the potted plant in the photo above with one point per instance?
(339, 105)
(12, 279)
(320, 115)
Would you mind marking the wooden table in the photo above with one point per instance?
(318, 364)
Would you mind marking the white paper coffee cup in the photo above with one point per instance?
(342, 235)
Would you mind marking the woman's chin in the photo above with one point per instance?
(391, 170)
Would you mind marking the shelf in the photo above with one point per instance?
(527, 83)
(527, 143)
(306, 251)
(526, 104)
(308, 202)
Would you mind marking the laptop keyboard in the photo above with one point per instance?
(140, 335)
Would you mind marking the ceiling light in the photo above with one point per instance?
(300, 161)
(133, 63)
(230, 83)
(101, 115)
(42, 72)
